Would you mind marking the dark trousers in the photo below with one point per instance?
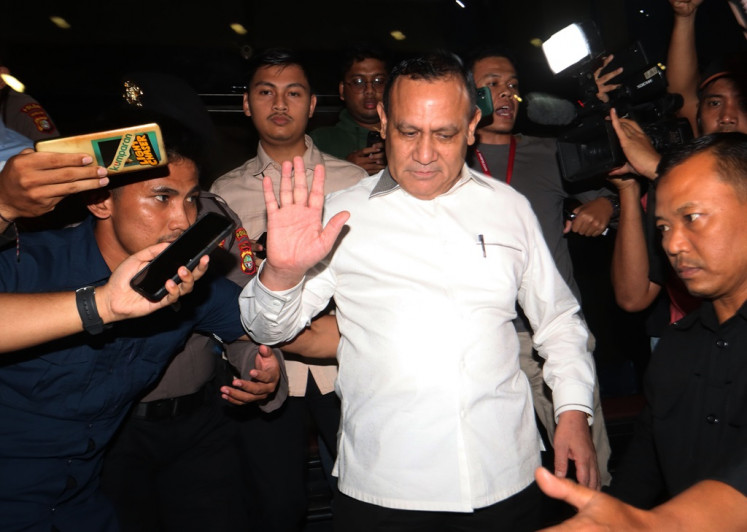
(274, 449)
(515, 514)
(177, 474)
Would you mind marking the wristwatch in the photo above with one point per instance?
(615, 201)
(86, 301)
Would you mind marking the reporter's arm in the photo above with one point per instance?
(32, 183)
(33, 319)
(682, 59)
(629, 271)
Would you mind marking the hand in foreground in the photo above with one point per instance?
(591, 218)
(116, 300)
(597, 511)
(643, 159)
(708, 505)
(296, 240)
(602, 81)
(371, 159)
(573, 442)
(264, 381)
(32, 183)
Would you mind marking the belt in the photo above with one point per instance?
(170, 408)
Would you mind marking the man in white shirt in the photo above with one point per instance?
(437, 423)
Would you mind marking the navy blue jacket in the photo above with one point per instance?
(60, 403)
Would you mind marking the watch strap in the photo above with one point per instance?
(85, 299)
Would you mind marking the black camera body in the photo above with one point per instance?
(590, 147)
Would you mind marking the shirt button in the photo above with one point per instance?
(722, 344)
(712, 419)
(91, 446)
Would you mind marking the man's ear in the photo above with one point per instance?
(247, 109)
(472, 126)
(100, 203)
(312, 105)
(340, 89)
(382, 118)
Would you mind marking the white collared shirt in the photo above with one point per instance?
(436, 413)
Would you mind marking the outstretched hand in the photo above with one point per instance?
(296, 240)
(116, 300)
(597, 511)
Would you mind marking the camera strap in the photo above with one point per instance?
(509, 166)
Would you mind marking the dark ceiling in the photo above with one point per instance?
(194, 40)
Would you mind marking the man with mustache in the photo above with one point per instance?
(437, 429)
(279, 101)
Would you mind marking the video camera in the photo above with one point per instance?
(590, 146)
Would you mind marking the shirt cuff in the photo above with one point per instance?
(580, 408)
(271, 300)
(574, 396)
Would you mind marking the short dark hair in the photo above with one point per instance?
(434, 66)
(361, 52)
(490, 50)
(281, 57)
(728, 149)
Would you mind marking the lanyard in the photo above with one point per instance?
(509, 167)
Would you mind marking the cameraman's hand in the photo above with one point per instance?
(685, 8)
(602, 87)
(371, 159)
(591, 218)
(624, 181)
(642, 157)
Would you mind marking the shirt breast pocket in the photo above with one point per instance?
(497, 266)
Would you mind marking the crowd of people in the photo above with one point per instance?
(400, 280)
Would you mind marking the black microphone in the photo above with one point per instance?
(548, 110)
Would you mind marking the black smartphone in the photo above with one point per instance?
(200, 239)
(374, 137)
